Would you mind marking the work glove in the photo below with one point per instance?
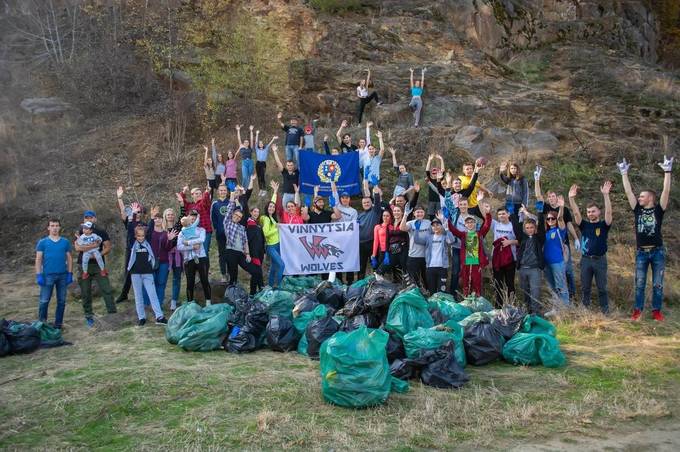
(445, 212)
(69, 278)
(667, 164)
(624, 166)
(510, 207)
(417, 225)
(331, 200)
(373, 180)
(40, 279)
(537, 172)
(231, 185)
(386, 259)
(539, 206)
(374, 262)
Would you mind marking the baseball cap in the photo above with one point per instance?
(344, 193)
(89, 213)
(435, 221)
(88, 224)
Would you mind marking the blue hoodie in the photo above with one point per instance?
(217, 211)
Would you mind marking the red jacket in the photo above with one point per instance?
(483, 260)
(203, 209)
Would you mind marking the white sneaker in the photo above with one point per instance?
(208, 303)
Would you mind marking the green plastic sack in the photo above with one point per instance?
(433, 338)
(205, 330)
(354, 369)
(299, 284)
(537, 325)
(477, 304)
(363, 282)
(278, 302)
(476, 317)
(407, 312)
(49, 335)
(300, 323)
(447, 305)
(178, 319)
(531, 349)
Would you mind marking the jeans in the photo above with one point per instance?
(145, 282)
(656, 257)
(247, 169)
(530, 285)
(104, 288)
(276, 268)
(557, 279)
(595, 266)
(416, 105)
(292, 154)
(455, 271)
(569, 272)
(160, 280)
(176, 282)
(58, 281)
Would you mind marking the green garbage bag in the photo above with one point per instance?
(407, 312)
(49, 335)
(433, 338)
(299, 284)
(447, 305)
(363, 282)
(530, 349)
(476, 317)
(177, 320)
(206, 329)
(477, 304)
(354, 369)
(300, 323)
(278, 302)
(537, 325)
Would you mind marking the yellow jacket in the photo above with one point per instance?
(269, 227)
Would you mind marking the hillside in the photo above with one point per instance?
(573, 85)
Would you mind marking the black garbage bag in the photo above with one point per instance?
(395, 348)
(22, 337)
(410, 368)
(483, 343)
(380, 294)
(4, 345)
(235, 294)
(306, 303)
(331, 296)
(282, 335)
(509, 321)
(444, 373)
(241, 342)
(238, 315)
(317, 332)
(437, 317)
(352, 323)
(256, 319)
(355, 291)
(353, 306)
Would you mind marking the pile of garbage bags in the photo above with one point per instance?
(18, 338)
(371, 337)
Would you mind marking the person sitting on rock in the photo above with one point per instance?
(364, 97)
(416, 104)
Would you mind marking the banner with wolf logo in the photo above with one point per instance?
(308, 249)
(320, 169)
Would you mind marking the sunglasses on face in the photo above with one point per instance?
(551, 218)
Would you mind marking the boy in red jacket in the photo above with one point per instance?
(472, 256)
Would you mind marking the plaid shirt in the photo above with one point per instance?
(234, 232)
(203, 207)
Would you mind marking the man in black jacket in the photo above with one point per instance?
(531, 237)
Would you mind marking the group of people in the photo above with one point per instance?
(436, 243)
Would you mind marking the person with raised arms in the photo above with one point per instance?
(650, 247)
(269, 222)
(594, 234)
(290, 176)
(404, 184)
(416, 104)
(517, 191)
(364, 97)
(53, 270)
(262, 153)
(245, 151)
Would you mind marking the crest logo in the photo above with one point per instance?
(319, 249)
(329, 171)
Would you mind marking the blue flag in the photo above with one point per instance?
(320, 169)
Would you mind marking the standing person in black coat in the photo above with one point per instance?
(531, 237)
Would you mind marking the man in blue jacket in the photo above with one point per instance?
(218, 210)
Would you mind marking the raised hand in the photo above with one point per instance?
(274, 185)
(136, 207)
(623, 166)
(325, 137)
(172, 235)
(560, 201)
(504, 166)
(238, 126)
(667, 164)
(120, 191)
(369, 124)
(537, 172)
(185, 189)
(573, 190)
(416, 187)
(179, 198)
(251, 127)
(343, 124)
(605, 188)
(378, 134)
(411, 69)
(392, 150)
(279, 115)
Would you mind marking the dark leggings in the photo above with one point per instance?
(504, 284)
(436, 279)
(365, 250)
(190, 268)
(260, 170)
(417, 271)
(397, 265)
(236, 259)
(362, 104)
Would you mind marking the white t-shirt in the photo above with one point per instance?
(504, 230)
(362, 92)
(415, 250)
(364, 159)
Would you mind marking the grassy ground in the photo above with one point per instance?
(123, 387)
